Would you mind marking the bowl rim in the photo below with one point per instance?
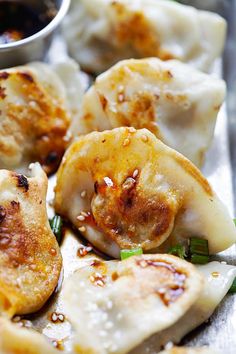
(43, 32)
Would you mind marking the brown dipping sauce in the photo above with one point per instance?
(19, 21)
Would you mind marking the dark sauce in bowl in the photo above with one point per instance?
(19, 21)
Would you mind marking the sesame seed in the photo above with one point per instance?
(144, 138)
(54, 317)
(126, 142)
(83, 194)
(82, 229)
(61, 317)
(169, 345)
(92, 278)
(215, 274)
(84, 214)
(53, 252)
(121, 88)
(16, 319)
(132, 129)
(135, 174)
(80, 218)
(99, 283)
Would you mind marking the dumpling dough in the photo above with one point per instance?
(30, 259)
(100, 33)
(175, 102)
(35, 114)
(124, 188)
(22, 341)
(116, 305)
(218, 279)
(182, 350)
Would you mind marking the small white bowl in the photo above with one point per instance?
(36, 46)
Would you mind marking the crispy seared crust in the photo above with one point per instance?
(138, 193)
(30, 259)
(33, 120)
(164, 97)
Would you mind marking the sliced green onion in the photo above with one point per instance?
(199, 259)
(234, 220)
(129, 253)
(178, 250)
(232, 289)
(198, 246)
(56, 226)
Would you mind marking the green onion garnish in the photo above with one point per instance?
(56, 226)
(199, 259)
(232, 289)
(129, 253)
(178, 250)
(234, 220)
(198, 246)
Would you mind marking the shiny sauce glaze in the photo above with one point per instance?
(19, 21)
(176, 287)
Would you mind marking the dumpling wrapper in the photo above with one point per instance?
(113, 306)
(218, 279)
(168, 98)
(124, 188)
(14, 339)
(182, 350)
(99, 33)
(35, 114)
(30, 259)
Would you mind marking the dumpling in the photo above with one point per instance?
(168, 98)
(182, 350)
(115, 306)
(30, 259)
(124, 188)
(218, 279)
(18, 340)
(35, 115)
(99, 33)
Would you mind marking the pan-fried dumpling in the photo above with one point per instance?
(182, 350)
(18, 340)
(168, 98)
(124, 188)
(218, 279)
(100, 33)
(35, 115)
(30, 259)
(114, 307)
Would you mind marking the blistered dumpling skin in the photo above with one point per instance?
(100, 33)
(30, 259)
(35, 115)
(113, 306)
(182, 350)
(124, 188)
(168, 98)
(218, 278)
(16, 340)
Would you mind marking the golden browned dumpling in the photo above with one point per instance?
(35, 114)
(168, 98)
(124, 188)
(115, 307)
(99, 33)
(30, 259)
